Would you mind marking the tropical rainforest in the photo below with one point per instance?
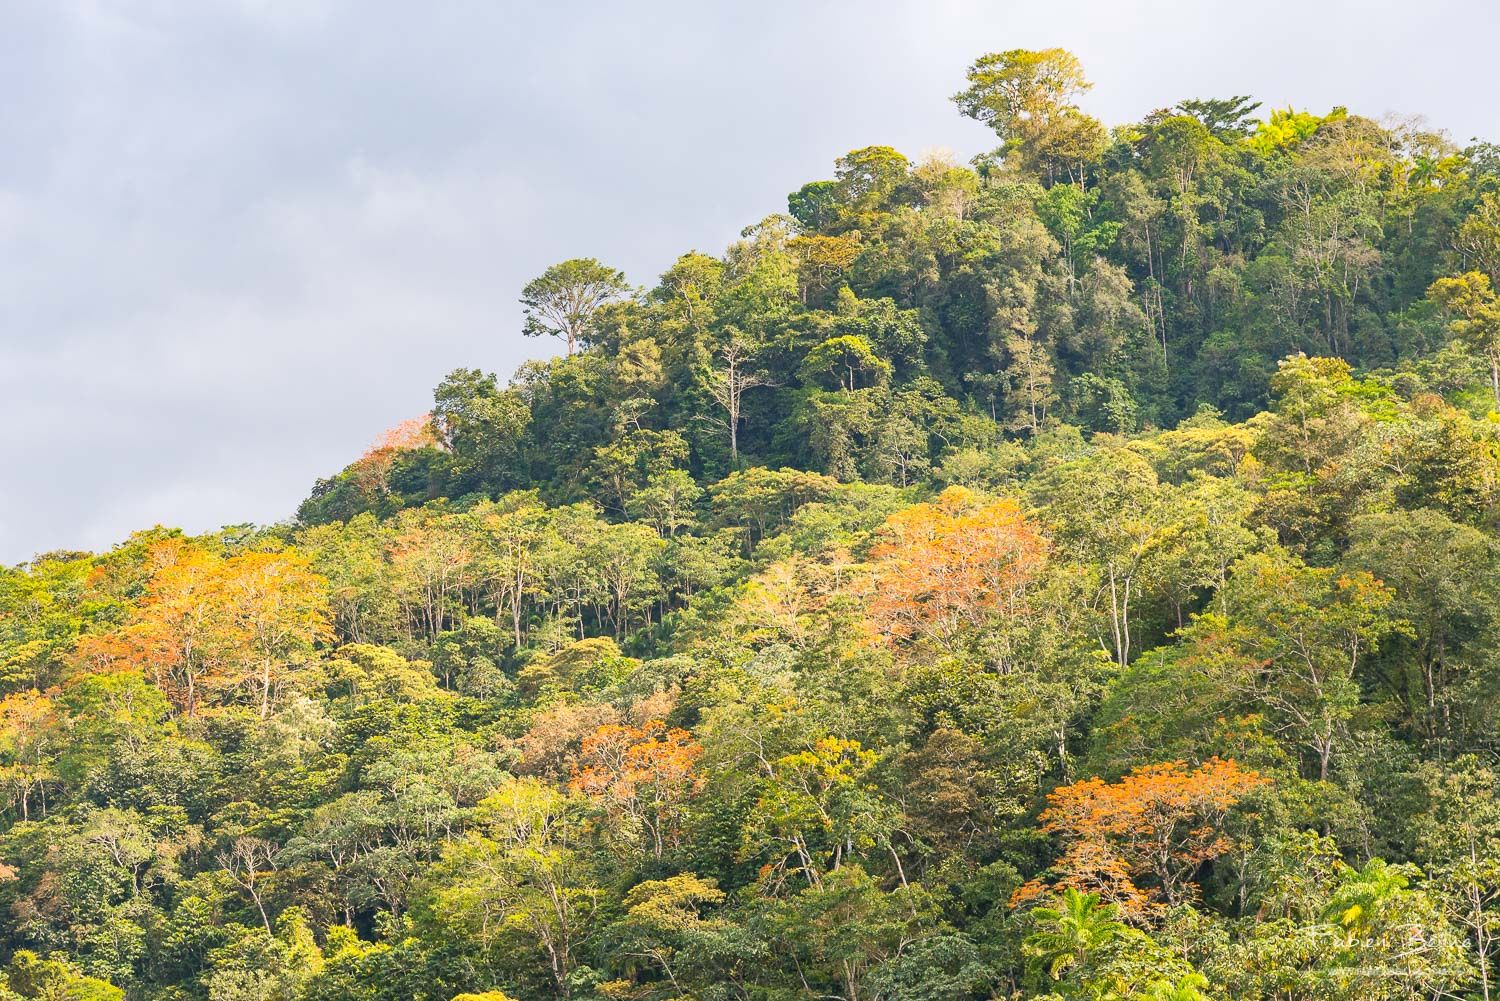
(1071, 574)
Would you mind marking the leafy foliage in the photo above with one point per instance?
(1070, 575)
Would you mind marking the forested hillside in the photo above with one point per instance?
(1069, 575)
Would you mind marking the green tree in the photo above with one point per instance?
(1306, 633)
(520, 874)
(1068, 935)
(1027, 98)
(847, 358)
(564, 300)
(483, 426)
(1474, 317)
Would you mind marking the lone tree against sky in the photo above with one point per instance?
(562, 301)
(1028, 99)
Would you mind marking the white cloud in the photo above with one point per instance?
(239, 237)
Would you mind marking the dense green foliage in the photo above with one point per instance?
(1072, 575)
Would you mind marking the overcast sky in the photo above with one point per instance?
(238, 238)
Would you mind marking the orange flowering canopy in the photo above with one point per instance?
(642, 776)
(414, 433)
(209, 624)
(373, 468)
(946, 567)
(1159, 823)
(29, 725)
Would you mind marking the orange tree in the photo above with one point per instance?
(945, 568)
(373, 469)
(212, 624)
(277, 609)
(642, 776)
(1159, 823)
(30, 729)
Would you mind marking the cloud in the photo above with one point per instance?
(240, 237)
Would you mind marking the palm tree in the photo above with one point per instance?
(1186, 988)
(1363, 894)
(1067, 935)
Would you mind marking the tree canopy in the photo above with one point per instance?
(1068, 576)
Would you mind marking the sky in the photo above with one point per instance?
(239, 238)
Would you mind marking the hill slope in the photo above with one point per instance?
(1069, 575)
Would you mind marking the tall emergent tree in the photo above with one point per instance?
(563, 300)
(1028, 99)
